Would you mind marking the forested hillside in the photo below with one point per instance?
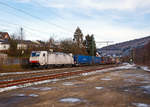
(142, 55)
(125, 48)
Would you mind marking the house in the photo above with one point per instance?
(40, 43)
(4, 45)
(21, 44)
(25, 44)
(4, 36)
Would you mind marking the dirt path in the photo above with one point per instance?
(118, 88)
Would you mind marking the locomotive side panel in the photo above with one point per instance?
(51, 59)
(60, 59)
(69, 59)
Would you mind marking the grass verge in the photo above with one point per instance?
(12, 68)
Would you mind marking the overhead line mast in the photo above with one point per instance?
(107, 42)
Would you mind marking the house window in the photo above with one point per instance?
(4, 47)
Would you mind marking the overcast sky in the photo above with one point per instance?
(108, 20)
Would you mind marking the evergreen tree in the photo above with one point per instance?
(90, 45)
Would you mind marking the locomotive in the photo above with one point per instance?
(49, 59)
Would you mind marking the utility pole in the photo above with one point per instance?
(132, 55)
(92, 49)
(21, 33)
(107, 42)
(21, 37)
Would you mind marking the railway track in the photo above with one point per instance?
(21, 75)
(23, 81)
(31, 74)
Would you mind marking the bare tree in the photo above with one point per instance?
(78, 37)
(13, 46)
(51, 42)
(68, 46)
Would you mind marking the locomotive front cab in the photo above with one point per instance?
(38, 58)
(34, 58)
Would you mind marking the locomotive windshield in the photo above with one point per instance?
(35, 54)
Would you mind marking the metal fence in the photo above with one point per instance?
(3, 58)
(13, 61)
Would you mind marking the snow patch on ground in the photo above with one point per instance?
(141, 105)
(99, 88)
(106, 79)
(20, 95)
(146, 88)
(126, 90)
(89, 73)
(7, 80)
(68, 83)
(45, 88)
(145, 82)
(127, 66)
(135, 75)
(130, 80)
(114, 74)
(70, 100)
(32, 88)
(24, 95)
(13, 73)
(145, 68)
(33, 95)
(40, 88)
(8, 88)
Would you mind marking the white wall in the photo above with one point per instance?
(22, 46)
(4, 46)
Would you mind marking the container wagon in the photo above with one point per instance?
(86, 60)
(97, 60)
(82, 60)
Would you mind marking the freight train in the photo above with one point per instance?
(50, 59)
